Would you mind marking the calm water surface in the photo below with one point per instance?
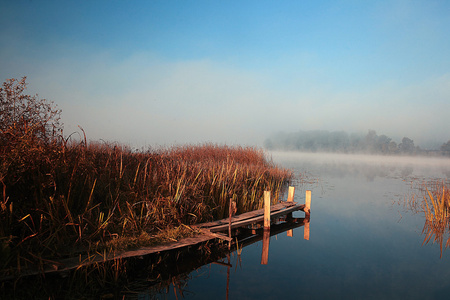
(364, 241)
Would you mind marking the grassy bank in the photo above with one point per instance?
(77, 197)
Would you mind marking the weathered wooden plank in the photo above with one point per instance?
(255, 218)
(216, 235)
(247, 215)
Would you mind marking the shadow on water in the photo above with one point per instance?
(153, 276)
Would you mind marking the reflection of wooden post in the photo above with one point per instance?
(290, 233)
(265, 249)
(308, 203)
(266, 209)
(228, 275)
(306, 230)
(290, 198)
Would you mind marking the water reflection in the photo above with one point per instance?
(428, 177)
(365, 245)
(178, 286)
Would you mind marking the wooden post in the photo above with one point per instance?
(229, 222)
(291, 194)
(290, 198)
(265, 249)
(231, 211)
(266, 209)
(307, 203)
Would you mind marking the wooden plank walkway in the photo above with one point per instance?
(255, 216)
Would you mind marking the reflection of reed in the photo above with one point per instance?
(436, 229)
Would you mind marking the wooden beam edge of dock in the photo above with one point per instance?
(252, 217)
(244, 216)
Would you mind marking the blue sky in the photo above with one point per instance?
(164, 72)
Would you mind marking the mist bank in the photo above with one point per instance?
(343, 142)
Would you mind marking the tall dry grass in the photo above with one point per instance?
(88, 195)
(436, 206)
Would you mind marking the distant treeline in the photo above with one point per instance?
(342, 142)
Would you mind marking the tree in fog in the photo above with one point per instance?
(407, 146)
(371, 142)
(392, 147)
(383, 144)
(445, 148)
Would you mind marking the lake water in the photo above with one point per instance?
(364, 243)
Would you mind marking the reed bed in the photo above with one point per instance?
(433, 200)
(436, 206)
(64, 198)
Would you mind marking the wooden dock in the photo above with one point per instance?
(256, 216)
(209, 231)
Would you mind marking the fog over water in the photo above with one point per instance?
(370, 166)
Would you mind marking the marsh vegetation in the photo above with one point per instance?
(433, 200)
(62, 196)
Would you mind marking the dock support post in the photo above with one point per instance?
(231, 211)
(307, 203)
(266, 209)
(307, 215)
(291, 194)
